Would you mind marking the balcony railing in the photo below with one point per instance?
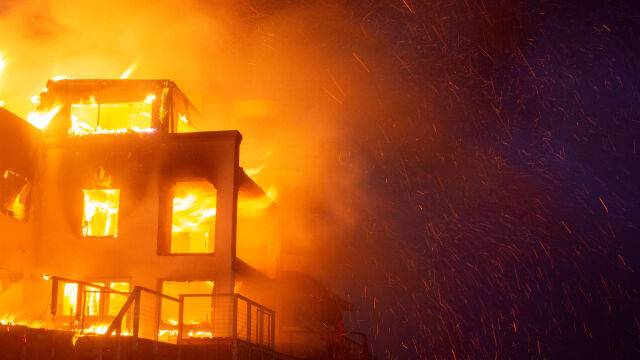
(148, 314)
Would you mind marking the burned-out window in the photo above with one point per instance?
(101, 302)
(15, 190)
(100, 215)
(93, 118)
(69, 299)
(197, 311)
(97, 301)
(193, 218)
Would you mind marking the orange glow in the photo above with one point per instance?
(128, 72)
(69, 299)
(3, 64)
(198, 311)
(93, 118)
(10, 319)
(16, 204)
(99, 329)
(253, 206)
(254, 171)
(193, 218)
(100, 217)
(40, 119)
(184, 125)
(116, 301)
(92, 300)
(61, 77)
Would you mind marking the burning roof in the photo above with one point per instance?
(79, 107)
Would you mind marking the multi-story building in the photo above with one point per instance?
(125, 216)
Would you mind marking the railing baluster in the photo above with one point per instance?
(248, 321)
(235, 317)
(180, 318)
(54, 297)
(136, 315)
(273, 330)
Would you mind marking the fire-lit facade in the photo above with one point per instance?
(122, 216)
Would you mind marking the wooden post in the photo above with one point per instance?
(260, 327)
(248, 321)
(54, 297)
(180, 318)
(273, 330)
(79, 301)
(102, 305)
(235, 316)
(136, 321)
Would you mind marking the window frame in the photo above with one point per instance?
(165, 216)
(83, 219)
(29, 190)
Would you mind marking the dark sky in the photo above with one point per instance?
(498, 146)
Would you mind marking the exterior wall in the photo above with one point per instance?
(258, 242)
(21, 151)
(142, 167)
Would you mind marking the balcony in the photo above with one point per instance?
(143, 321)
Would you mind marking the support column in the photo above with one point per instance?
(225, 243)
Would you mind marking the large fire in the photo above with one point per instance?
(87, 309)
(101, 209)
(193, 217)
(42, 119)
(93, 118)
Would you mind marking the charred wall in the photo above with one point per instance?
(142, 167)
(21, 153)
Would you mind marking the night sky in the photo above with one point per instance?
(498, 146)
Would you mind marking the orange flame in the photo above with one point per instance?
(40, 119)
(128, 72)
(3, 64)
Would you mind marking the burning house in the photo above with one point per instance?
(130, 228)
